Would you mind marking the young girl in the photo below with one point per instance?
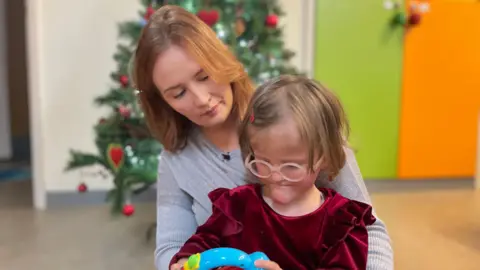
(294, 130)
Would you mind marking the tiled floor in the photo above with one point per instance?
(430, 230)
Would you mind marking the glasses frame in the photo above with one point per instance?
(276, 168)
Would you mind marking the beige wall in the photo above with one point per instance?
(71, 60)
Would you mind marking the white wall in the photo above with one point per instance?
(70, 63)
(5, 136)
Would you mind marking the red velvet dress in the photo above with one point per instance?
(332, 237)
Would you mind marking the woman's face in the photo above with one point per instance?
(189, 90)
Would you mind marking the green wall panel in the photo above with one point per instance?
(359, 56)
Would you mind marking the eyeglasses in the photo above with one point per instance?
(290, 171)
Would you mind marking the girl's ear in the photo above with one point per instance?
(321, 165)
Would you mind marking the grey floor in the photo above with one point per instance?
(73, 238)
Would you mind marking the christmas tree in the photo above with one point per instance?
(126, 148)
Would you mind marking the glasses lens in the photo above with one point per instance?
(293, 172)
(260, 168)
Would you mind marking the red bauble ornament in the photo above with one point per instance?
(115, 155)
(271, 20)
(414, 19)
(149, 13)
(128, 210)
(124, 111)
(82, 188)
(124, 80)
(210, 17)
(102, 121)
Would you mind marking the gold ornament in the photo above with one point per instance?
(239, 26)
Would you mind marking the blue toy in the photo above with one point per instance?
(218, 257)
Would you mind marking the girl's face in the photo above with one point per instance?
(189, 90)
(277, 145)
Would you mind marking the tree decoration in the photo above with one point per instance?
(399, 19)
(149, 13)
(271, 21)
(391, 4)
(414, 18)
(82, 188)
(240, 26)
(124, 111)
(210, 17)
(123, 80)
(424, 7)
(115, 156)
(128, 209)
(416, 10)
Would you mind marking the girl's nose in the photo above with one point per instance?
(276, 176)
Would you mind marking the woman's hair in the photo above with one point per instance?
(173, 25)
(317, 112)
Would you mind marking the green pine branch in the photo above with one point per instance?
(130, 30)
(80, 159)
(117, 198)
(116, 97)
(139, 176)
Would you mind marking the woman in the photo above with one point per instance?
(194, 92)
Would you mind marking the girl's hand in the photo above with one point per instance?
(267, 265)
(179, 264)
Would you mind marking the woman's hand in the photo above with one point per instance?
(179, 264)
(267, 265)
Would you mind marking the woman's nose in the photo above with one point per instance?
(202, 96)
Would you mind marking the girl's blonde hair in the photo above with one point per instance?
(318, 113)
(173, 25)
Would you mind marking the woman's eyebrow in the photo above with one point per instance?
(180, 85)
(172, 88)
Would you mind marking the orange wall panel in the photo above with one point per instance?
(441, 93)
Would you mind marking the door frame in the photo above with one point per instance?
(34, 31)
(308, 40)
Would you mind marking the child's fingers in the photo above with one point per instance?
(267, 265)
(179, 264)
(176, 266)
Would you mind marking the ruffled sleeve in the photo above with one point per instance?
(345, 243)
(221, 223)
(228, 213)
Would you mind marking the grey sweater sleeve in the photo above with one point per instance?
(350, 184)
(175, 219)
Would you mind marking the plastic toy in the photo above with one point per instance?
(218, 257)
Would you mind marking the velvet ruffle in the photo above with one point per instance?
(335, 235)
